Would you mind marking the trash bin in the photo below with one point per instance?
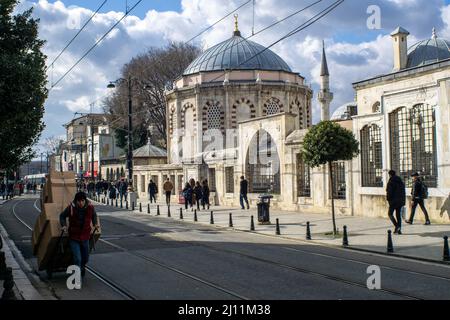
(263, 208)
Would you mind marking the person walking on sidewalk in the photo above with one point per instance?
(81, 214)
(205, 194)
(168, 186)
(152, 191)
(396, 197)
(112, 191)
(243, 193)
(419, 193)
(198, 194)
(187, 194)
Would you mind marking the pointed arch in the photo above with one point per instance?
(238, 104)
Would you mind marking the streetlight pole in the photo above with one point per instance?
(92, 147)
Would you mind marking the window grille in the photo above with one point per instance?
(229, 179)
(303, 178)
(214, 117)
(212, 179)
(339, 190)
(413, 143)
(371, 156)
(272, 107)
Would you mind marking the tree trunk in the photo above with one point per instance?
(330, 169)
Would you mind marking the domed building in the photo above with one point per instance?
(232, 104)
(403, 124)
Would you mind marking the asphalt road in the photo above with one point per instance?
(147, 257)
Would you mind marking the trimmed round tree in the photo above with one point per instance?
(326, 143)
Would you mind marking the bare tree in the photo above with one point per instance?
(154, 71)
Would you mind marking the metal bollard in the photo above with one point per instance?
(211, 221)
(157, 210)
(2, 265)
(277, 230)
(107, 201)
(446, 255)
(252, 224)
(116, 203)
(148, 208)
(345, 237)
(132, 205)
(181, 213)
(126, 205)
(8, 285)
(230, 223)
(195, 215)
(168, 211)
(140, 207)
(390, 246)
(121, 204)
(308, 231)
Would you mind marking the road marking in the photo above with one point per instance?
(14, 213)
(39, 210)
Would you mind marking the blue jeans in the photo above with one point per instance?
(80, 251)
(243, 197)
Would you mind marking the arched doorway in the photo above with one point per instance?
(263, 164)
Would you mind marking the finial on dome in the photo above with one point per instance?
(433, 34)
(236, 26)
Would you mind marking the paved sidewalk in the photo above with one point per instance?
(368, 234)
(23, 289)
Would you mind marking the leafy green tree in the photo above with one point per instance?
(22, 85)
(326, 143)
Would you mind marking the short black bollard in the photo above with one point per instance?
(230, 223)
(140, 207)
(252, 224)
(132, 205)
(107, 201)
(446, 250)
(308, 231)
(8, 285)
(390, 246)
(157, 210)
(126, 205)
(277, 230)
(116, 203)
(2, 265)
(168, 211)
(211, 221)
(148, 208)
(195, 215)
(121, 204)
(345, 237)
(181, 213)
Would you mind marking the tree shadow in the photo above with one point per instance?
(446, 207)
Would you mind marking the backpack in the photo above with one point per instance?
(424, 191)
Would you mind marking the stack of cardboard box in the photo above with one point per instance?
(49, 244)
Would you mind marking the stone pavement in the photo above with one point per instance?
(367, 234)
(23, 288)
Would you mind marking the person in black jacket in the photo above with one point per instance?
(205, 194)
(396, 196)
(198, 194)
(152, 191)
(243, 192)
(417, 195)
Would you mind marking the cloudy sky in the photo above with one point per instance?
(354, 50)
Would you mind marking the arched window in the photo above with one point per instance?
(272, 106)
(242, 110)
(376, 107)
(263, 164)
(413, 143)
(371, 156)
(214, 115)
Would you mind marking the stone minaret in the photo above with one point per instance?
(325, 96)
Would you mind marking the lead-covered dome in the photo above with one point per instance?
(428, 51)
(237, 53)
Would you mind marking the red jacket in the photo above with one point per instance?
(76, 231)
